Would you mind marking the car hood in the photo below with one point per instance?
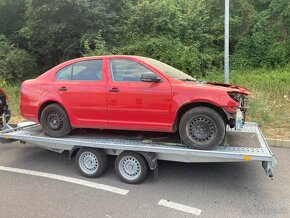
(230, 86)
(217, 86)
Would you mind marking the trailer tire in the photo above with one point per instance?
(202, 128)
(55, 121)
(91, 162)
(131, 167)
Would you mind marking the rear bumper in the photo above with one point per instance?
(29, 111)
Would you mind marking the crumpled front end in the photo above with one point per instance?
(239, 117)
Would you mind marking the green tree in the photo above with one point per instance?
(54, 28)
(189, 34)
(15, 64)
(12, 16)
(267, 42)
(179, 28)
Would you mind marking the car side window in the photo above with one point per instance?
(87, 70)
(84, 70)
(64, 73)
(126, 70)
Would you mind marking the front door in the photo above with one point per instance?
(137, 105)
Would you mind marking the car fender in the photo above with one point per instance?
(51, 100)
(184, 94)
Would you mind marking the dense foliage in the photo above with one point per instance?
(15, 64)
(188, 34)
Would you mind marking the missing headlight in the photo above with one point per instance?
(235, 96)
(240, 98)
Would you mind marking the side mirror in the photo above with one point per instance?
(150, 77)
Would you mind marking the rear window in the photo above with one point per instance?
(84, 71)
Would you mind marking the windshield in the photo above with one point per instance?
(171, 71)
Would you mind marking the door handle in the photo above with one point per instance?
(62, 89)
(114, 90)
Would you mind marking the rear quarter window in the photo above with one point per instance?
(64, 73)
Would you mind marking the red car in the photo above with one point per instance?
(130, 93)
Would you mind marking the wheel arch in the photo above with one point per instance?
(45, 104)
(185, 107)
(73, 152)
(151, 159)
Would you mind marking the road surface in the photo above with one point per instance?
(41, 183)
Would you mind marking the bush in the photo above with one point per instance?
(15, 64)
(167, 50)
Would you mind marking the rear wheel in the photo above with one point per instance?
(131, 167)
(202, 128)
(54, 121)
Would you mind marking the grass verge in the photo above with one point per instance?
(270, 99)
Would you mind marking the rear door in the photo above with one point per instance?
(82, 89)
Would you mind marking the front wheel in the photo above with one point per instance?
(202, 128)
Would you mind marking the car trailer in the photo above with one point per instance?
(137, 152)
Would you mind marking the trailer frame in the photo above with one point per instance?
(244, 145)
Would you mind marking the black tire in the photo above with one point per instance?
(135, 158)
(55, 121)
(97, 168)
(202, 128)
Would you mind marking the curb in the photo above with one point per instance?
(278, 143)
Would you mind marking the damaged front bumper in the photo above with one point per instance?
(237, 118)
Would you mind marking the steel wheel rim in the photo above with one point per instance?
(130, 168)
(55, 121)
(201, 129)
(88, 162)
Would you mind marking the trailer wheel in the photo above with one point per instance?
(91, 162)
(131, 167)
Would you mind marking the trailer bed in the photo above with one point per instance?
(247, 144)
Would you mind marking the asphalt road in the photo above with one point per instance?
(214, 189)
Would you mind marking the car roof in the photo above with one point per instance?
(107, 56)
(72, 61)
